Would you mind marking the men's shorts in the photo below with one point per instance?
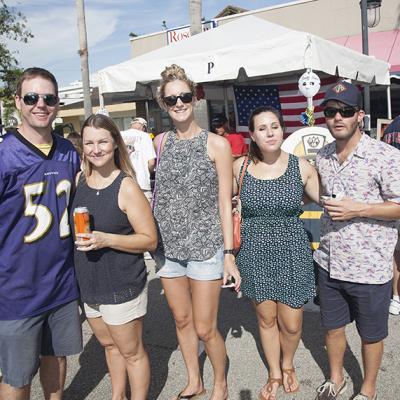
(119, 314)
(56, 332)
(207, 270)
(343, 302)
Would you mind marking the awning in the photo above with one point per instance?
(251, 47)
(383, 45)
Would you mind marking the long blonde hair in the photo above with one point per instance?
(172, 73)
(121, 156)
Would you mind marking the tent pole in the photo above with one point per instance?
(146, 105)
(389, 102)
(226, 102)
(101, 101)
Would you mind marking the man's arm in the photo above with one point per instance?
(151, 164)
(345, 209)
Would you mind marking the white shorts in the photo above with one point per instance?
(119, 314)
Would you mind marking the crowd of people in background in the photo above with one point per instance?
(186, 222)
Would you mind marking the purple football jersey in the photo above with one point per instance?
(36, 247)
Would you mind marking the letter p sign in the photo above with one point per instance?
(210, 66)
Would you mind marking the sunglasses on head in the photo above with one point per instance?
(346, 112)
(184, 98)
(31, 99)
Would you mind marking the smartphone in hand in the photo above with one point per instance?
(230, 283)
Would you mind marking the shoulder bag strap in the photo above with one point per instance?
(244, 167)
(159, 150)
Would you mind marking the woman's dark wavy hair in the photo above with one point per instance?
(254, 151)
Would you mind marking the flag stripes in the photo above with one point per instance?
(285, 97)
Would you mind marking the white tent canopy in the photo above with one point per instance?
(259, 47)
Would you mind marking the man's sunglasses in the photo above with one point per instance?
(184, 98)
(346, 112)
(30, 99)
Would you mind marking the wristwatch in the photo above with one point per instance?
(229, 251)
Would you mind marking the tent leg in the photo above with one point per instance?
(226, 103)
(389, 102)
(101, 101)
(146, 105)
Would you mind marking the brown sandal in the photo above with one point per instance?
(191, 396)
(290, 381)
(268, 388)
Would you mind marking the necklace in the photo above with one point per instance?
(107, 182)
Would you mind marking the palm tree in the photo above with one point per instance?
(195, 16)
(83, 52)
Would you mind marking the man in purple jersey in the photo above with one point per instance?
(39, 319)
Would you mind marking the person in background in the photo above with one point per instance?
(275, 259)
(392, 136)
(109, 260)
(76, 140)
(192, 208)
(141, 153)
(219, 125)
(39, 317)
(360, 182)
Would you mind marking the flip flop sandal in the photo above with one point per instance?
(290, 381)
(191, 396)
(269, 388)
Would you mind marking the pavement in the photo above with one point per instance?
(87, 377)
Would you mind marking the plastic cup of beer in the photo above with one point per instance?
(81, 221)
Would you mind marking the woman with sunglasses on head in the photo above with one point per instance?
(109, 261)
(275, 259)
(192, 207)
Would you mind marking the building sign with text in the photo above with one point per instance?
(178, 34)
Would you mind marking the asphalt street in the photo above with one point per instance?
(87, 376)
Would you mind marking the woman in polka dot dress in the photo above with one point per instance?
(275, 259)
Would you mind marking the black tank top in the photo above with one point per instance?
(107, 276)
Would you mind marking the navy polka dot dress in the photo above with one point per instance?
(275, 259)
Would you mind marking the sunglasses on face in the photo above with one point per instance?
(184, 98)
(346, 112)
(30, 99)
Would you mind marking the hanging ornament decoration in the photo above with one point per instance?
(307, 117)
(309, 85)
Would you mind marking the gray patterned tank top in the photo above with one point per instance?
(186, 209)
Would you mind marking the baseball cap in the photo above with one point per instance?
(140, 120)
(218, 120)
(345, 92)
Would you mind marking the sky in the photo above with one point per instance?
(108, 22)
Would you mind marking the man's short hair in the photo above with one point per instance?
(34, 72)
(218, 121)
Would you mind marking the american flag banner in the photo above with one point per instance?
(285, 97)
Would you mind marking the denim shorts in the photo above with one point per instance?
(56, 332)
(119, 314)
(344, 302)
(206, 270)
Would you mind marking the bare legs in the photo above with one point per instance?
(8, 392)
(194, 305)
(52, 377)
(125, 354)
(336, 346)
(371, 356)
(280, 332)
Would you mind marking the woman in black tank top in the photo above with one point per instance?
(109, 260)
